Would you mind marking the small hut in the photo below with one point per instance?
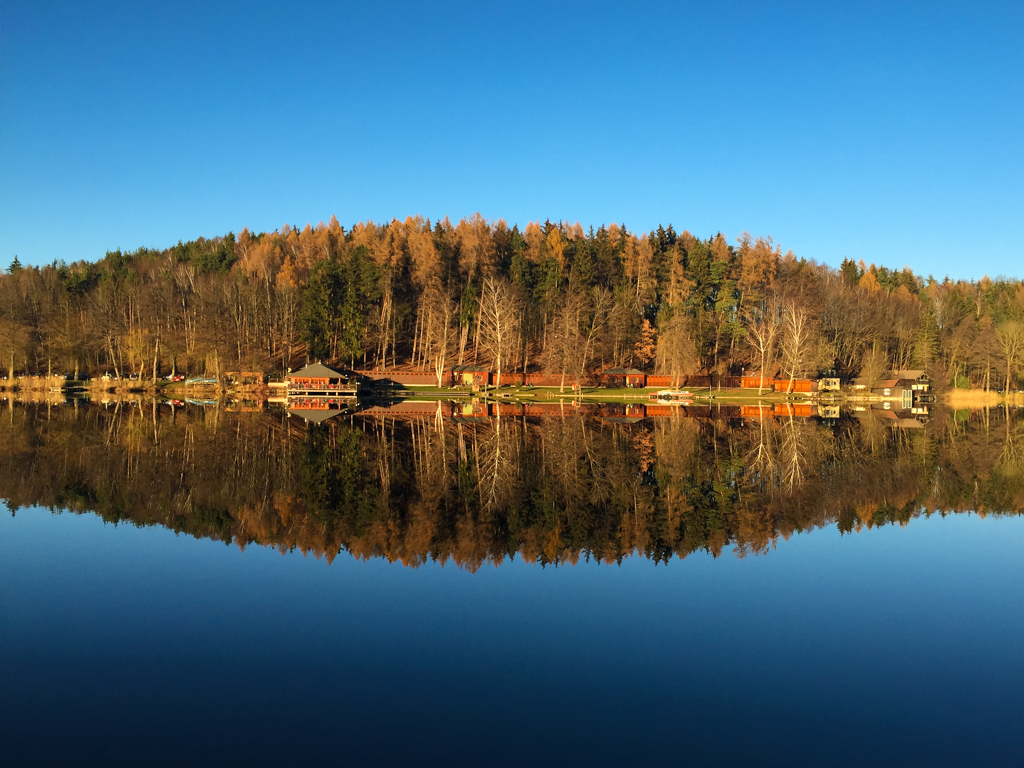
(624, 378)
(471, 375)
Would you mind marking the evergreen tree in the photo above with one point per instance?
(318, 311)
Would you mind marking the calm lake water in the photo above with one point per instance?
(208, 587)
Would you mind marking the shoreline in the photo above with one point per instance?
(56, 388)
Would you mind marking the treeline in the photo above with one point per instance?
(552, 297)
(548, 490)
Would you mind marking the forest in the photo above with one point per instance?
(550, 490)
(551, 297)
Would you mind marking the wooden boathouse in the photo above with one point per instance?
(317, 380)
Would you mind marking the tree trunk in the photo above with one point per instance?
(760, 378)
(113, 359)
(416, 338)
(463, 337)
(526, 355)
(156, 355)
(476, 335)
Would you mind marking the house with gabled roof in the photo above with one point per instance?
(915, 378)
(319, 380)
(622, 378)
(905, 387)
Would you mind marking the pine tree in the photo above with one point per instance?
(317, 311)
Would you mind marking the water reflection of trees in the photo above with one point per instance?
(548, 490)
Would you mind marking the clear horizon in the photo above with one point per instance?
(888, 135)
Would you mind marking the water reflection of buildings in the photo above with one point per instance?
(478, 410)
(903, 418)
(319, 409)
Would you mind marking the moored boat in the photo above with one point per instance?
(672, 397)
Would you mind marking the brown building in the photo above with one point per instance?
(796, 385)
(318, 379)
(757, 381)
(918, 381)
(623, 378)
(904, 388)
(471, 376)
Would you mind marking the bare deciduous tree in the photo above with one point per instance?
(440, 333)
(1011, 341)
(798, 345)
(763, 329)
(500, 321)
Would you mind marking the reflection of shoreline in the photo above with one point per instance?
(321, 409)
(726, 407)
(629, 412)
(979, 398)
(589, 481)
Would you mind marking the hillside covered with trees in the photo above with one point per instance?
(552, 297)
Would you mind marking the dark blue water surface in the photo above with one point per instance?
(136, 646)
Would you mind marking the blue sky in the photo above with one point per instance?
(892, 133)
